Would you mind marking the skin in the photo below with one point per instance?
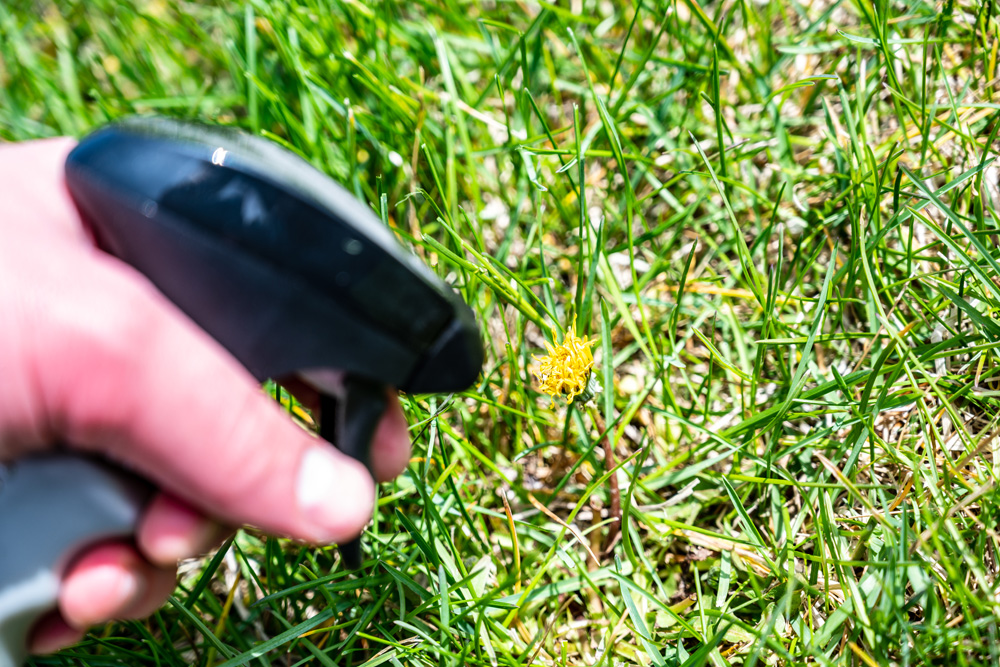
(96, 359)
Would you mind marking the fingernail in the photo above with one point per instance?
(173, 531)
(99, 594)
(335, 494)
(194, 540)
(126, 590)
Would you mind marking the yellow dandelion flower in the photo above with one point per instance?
(565, 370)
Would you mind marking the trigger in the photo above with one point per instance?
(350, 420)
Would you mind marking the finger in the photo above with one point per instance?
(51, 633)
(102, 584)
(124, 373)
(172, 530)
(391, 446)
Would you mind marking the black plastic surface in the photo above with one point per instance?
(351, 421)
(275, 260)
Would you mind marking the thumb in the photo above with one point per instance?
(127, 375)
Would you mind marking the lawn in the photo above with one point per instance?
(778, 222)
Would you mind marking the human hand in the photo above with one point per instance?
(95, 358)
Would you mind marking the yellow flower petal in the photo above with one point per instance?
(565, 369)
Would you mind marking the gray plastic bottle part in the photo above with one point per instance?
(51, 507)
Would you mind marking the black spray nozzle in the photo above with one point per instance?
(281, 265)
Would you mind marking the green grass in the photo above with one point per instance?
(779, 219)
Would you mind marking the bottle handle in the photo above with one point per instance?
(52, 507)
